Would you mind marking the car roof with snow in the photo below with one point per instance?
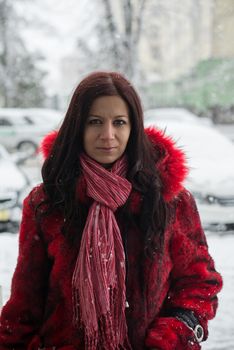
(175, 114)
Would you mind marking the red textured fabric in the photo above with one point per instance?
(173, 163)
(168, 333)
(184, 276)
(47, 143)
(99, 295)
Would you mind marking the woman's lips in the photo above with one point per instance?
(106, 149)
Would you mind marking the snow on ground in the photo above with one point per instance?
(221, 248)
(8, 256)
(222, 327)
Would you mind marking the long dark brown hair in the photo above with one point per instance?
(62, 168)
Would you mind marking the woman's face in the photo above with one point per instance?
(107, 129)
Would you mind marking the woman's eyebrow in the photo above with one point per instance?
(115, 116)
(94, 115)
(121, 116)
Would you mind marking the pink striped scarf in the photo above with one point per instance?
(99, 293)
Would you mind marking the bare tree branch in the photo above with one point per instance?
(128, 17)
(139, 21)
(112, 29)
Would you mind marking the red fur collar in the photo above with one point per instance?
(171, 166)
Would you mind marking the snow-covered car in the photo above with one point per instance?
(176, 114)
(210, 158)
(23, 129)
(227, 130)
(40, 116)
(12, 183)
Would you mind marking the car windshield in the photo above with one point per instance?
(22, 121)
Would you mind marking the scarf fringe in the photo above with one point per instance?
(100, 338)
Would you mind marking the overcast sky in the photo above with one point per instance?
(52, 29)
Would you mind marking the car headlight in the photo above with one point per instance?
(211, 199)
(205, 198)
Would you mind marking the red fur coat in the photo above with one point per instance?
(39, 311)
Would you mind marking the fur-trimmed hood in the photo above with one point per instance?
(171, 165)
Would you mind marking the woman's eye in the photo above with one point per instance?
(94, 121)
(120, 122)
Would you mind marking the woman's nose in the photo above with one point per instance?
(107, 131)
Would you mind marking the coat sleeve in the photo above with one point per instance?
(22, 315)
(194, 282)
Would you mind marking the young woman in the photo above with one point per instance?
(112, 254)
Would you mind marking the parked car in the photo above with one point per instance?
(23, 129)
(210, 158)
(50, 117)
(176, 114)
(12, 183)
(227, 130)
